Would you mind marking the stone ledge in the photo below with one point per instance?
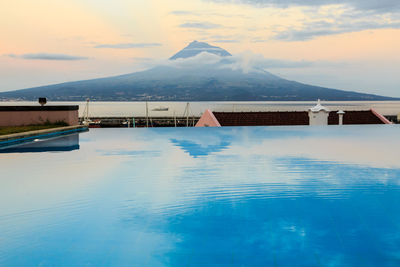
(24, 135)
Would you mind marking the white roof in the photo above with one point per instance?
(319, 107)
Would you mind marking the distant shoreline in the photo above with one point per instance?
(177, 108)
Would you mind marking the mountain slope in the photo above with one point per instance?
(211, 81)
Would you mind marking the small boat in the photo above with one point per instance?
(160, 109)
(94, 124)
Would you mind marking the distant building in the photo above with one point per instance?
(30, 115)
(318, 115)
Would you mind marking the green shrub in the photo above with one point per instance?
(35, 127)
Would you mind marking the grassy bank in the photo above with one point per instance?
(21, 129)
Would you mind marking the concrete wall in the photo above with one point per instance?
(20, 117)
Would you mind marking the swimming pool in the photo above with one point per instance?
(244, 196)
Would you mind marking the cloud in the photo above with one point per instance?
(128, 45)
(315, 29)
(200, 59)
(217, 38)
(200, 25)
(245, 62)
(251, 62)
(183, 13)
(331, 17)
(207, 13)
(260, 40)
(226, 41)
(266, 63)
(143, 58)
(46, 56)
(376, 5)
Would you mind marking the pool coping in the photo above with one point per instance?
(11, 139)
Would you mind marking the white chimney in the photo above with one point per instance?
(318, 115)
(341, 113)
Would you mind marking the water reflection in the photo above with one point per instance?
(57, 144)
(195, 150)
(262, 196)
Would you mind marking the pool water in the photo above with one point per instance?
(240, 196)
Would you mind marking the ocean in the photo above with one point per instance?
(138, 109)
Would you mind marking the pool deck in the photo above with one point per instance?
(26, 136)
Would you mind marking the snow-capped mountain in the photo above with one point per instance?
(195, 48)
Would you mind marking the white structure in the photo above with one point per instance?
(318, 115)
(86, 120)
(341, 113)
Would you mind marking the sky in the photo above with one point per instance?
(344, 44)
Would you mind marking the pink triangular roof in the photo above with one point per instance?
(208, 120)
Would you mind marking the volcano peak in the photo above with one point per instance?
(196, 47)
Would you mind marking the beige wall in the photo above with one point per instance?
(19, 118)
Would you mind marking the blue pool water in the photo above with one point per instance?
(245, 196)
